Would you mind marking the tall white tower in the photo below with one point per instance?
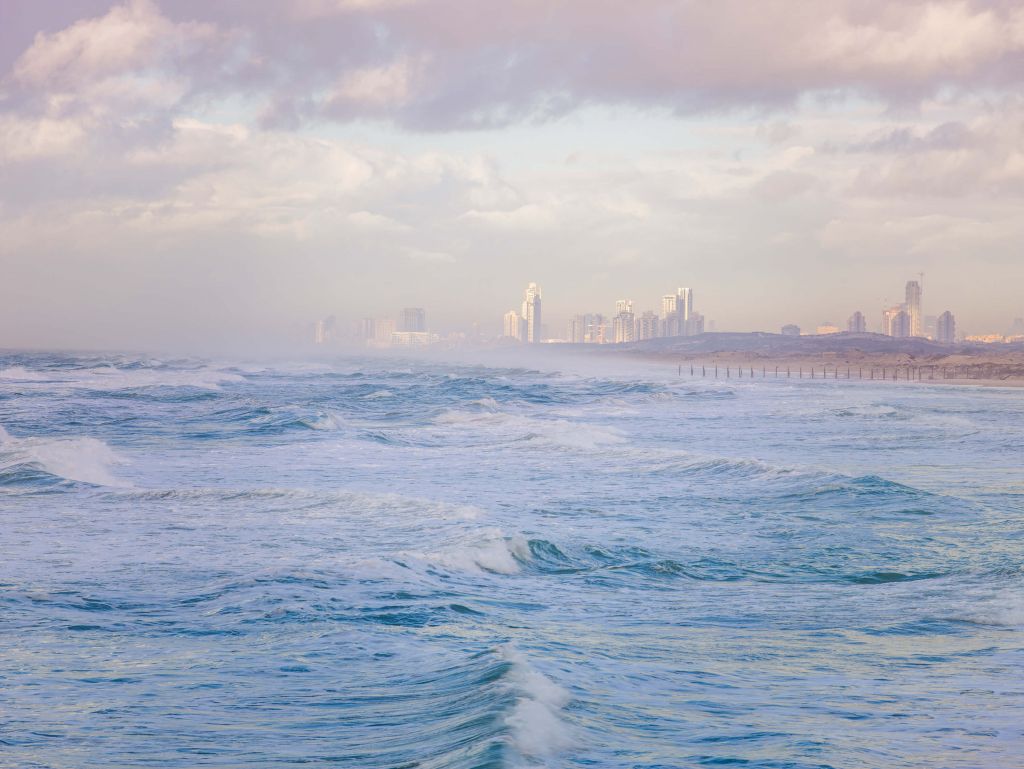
(685, 303)
(532, 313)
(913, 305)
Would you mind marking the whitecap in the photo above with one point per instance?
(87, 460)
(537, 727)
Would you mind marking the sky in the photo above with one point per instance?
(193, 174)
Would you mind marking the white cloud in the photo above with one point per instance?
(129, 37)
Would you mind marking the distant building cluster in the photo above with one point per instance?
(675, 317)
(409, 329)
(902, 320)
(1014, 334)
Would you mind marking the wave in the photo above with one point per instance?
(492, 552)
(84, 460)
(22, 374)
(538, 728)
(503, 427)
(120, 378)
(999, 611)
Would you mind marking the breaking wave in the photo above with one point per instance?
(84, 460)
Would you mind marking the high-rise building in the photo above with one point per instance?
(857, 324)
(913, 307)
(945, 328)
(887, 318)
(623, 305)
(790, 329)
(597, 329)
(513, 326)
(695, 324)
(367, 330)
(670, 315)
(677, 313)
(899, 325)
(576, 332)
(648, 326)
(685, 302)
(383, 328)
(413, 319)
(323, 331)
(532, 318)
(624, 327)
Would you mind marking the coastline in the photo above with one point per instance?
(843, 356)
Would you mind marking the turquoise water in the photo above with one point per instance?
(380, 563)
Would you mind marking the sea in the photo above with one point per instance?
(506, 562)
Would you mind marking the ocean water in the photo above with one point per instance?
(388, 563)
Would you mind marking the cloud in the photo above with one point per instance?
(128, 38)
(446, 64)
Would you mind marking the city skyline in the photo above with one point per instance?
(214, 175)
(626, 323)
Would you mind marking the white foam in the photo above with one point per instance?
(557, 432)
(21, 374)
(112, 378)
(538, 729)
(77, 459)
(493, 553)
(328, 420)
(1004, 611)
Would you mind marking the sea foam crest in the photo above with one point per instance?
(538, 729)
(493, 552)
(1003, 611)
(87, 460)
(112, 378)
(507, 427)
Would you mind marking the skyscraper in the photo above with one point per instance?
(624, 326)
(685, 302)
(857, 324)
(597, 329)
(677, 316)
(577, 329)
(513, 326)
(913, 307)
(413, 319)
(670, 315)
(383, 328)
(945, 328)
(532, 318)
(367, 329)
(896, 322)
(887, 318)
(647, 327)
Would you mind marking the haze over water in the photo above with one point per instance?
(399, 563)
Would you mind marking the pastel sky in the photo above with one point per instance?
(201, 173)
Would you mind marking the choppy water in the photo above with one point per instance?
(381, 564)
